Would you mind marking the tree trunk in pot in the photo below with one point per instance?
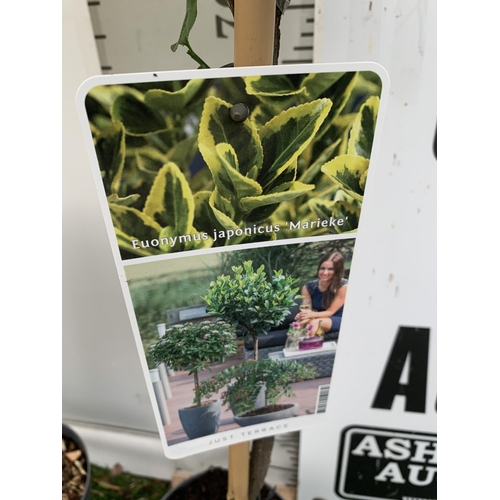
(260, 458)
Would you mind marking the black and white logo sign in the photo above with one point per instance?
(383, 463)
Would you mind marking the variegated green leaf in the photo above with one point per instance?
(133, 179)
(270, 86)
(283, 180)
(149, 160)
(126, 201)
(349, 213)
(296, 189)
(253, 173)
(133, 245)
(107, 94)
(216, 127)
(183, 152)
(100, 123)
(341, 126)
(170, 238)
(170, 201)
(321, 208)
(223, 210)
(134, 223)
(363, 129)
(110, 150)
(341, 195)
(261, 213)
(338, 210)
(287, 135)
(275, 92)
(261, 114)
(362, 180)
(172, 241)
(326, 155)
(339, 94)
(172, 102)
(201, 179)
(204, 217)
(136, 116)
(370, 83)
(198, 241)
(229, 182)
(348, 171)
(316, 84)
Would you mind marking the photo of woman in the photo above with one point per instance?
(227, 326)
(324, 297)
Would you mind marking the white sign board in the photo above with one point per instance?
(202, 175)
(392, 402)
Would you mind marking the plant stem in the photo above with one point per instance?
(255, 347)
(196, 57)
(277, 36)
(197, 397)
(260, 458)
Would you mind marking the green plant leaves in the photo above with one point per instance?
(137, 117)
(278, 86)
(187, 26)
(250, 300)
(287, 135)
(228, 178)
(223, 210)
(349, 172)
(216, 127)
(348, 212)
(131, 225)
(172, 101)
(296, 189)
(178, 171)
(239, 154)
(315, 84)
(193, 347)
(110, 150)
(363, 130)
(170, 201)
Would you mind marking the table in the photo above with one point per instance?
(321, 359)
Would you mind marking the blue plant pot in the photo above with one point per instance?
(199, 421)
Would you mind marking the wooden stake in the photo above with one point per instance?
(238, 471)
(253, 46)
(254, 32)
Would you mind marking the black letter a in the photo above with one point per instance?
(413, 342)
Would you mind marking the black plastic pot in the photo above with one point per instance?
(243, 420)
(195, 487)
(70, 434)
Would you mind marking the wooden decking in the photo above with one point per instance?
(181, 385)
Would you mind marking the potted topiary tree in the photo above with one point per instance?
(193, 347)
(250, 301)
(277, 376)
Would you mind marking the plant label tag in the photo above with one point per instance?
(233, 199)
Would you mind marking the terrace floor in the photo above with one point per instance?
(181, 385)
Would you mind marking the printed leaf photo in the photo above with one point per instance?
(181, 172)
